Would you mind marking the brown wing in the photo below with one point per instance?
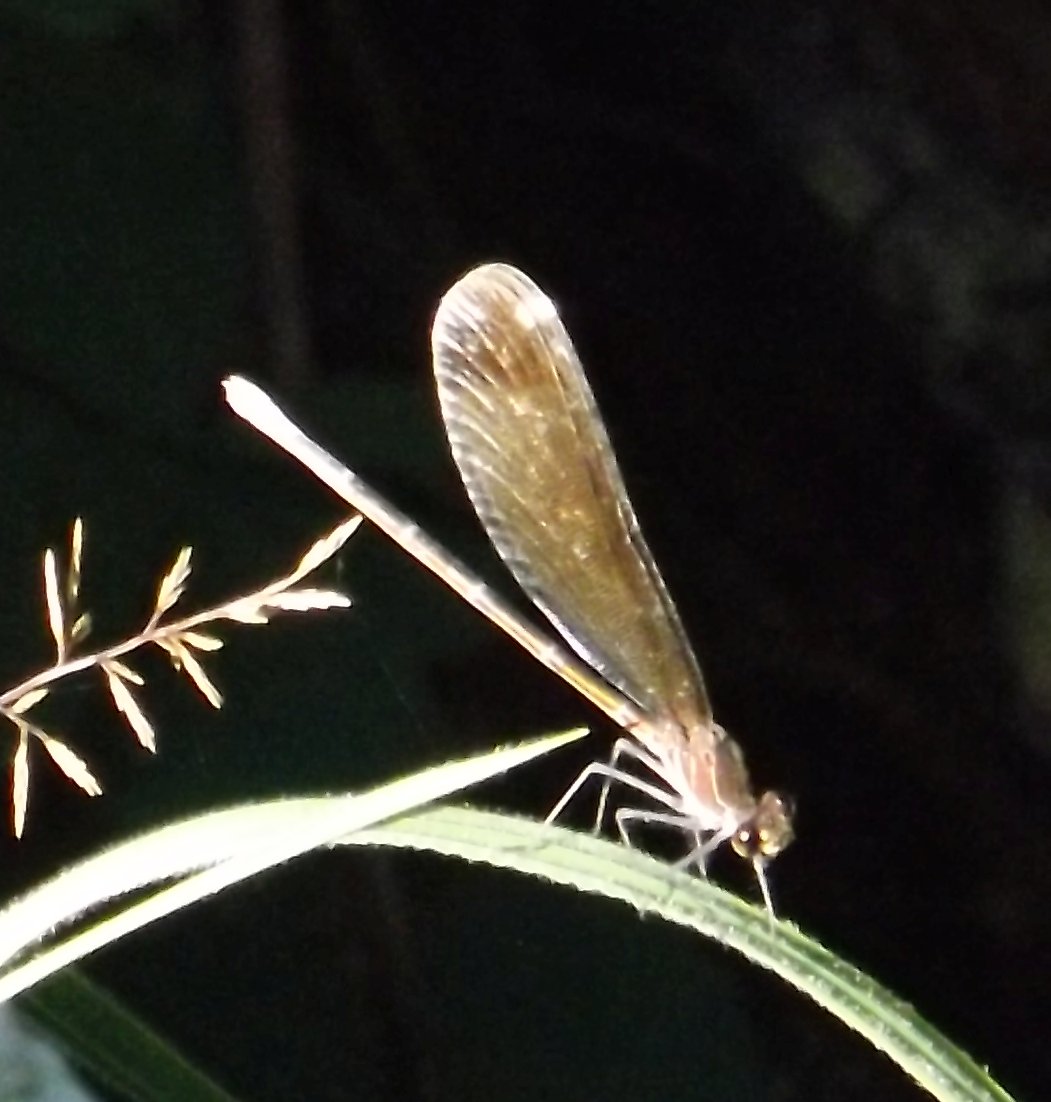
(540, 472)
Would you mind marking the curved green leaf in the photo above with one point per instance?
(245, 840)
(208, 853)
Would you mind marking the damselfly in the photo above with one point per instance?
(539, 469)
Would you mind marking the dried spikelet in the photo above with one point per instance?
(81, 629)
(20, 783)
(123, 671)
(71, 764)
(128, 706)
(172, 584)
(245, 611)
(324, 549)
(201, 641)
(55, 617)
(27, 701)
(186, 661)
(76, 552)
(305, 600)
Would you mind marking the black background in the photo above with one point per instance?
(838, 476)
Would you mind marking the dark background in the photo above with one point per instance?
(804, 256)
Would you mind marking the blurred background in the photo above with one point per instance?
(805, 254)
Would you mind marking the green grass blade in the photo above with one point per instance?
(257, 836)
(208, 853)
(115, 1045)
(606, 868)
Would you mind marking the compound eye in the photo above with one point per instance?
(747, 842)
(769, 830)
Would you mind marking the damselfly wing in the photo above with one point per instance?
(540, 471)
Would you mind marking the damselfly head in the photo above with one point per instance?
(768, 831)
